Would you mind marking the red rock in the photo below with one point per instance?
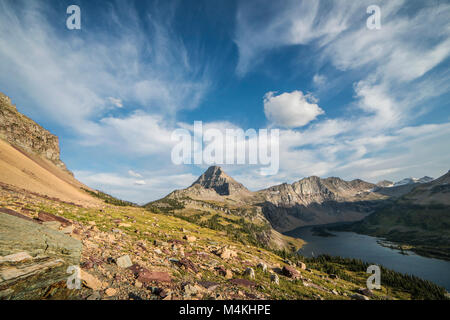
(224, 272)
(45, 216)
(164, 293)
(87, 264)
(188, 264)
(290, 272)
(137, 269)
(16, 214)
(95, 260)
(243, 282)
(221, 270)
(156, 276)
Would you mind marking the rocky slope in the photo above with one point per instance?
(34, 258)
(385, 183)
(134, 253)
(434, 192)
(313, 201)
(218, 201)
(181, 247)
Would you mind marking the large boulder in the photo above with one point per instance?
(34, 260)
(226, 253)
(290, 272)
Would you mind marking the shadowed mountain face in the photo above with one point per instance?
(313, 201)
(434, 192)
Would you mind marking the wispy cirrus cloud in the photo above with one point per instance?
(394, 75)
(119, 84)
(264, 27)
(139, 61)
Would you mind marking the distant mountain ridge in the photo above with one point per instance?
(313, 201)
(309, 201)
(420, 218)
(405, 181)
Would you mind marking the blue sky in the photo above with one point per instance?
(349, 101)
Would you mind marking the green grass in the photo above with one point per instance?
(210, 227)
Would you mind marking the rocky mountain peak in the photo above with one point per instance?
(412, 180)
(215, 178)
(26, 135)
(5, 101)
(385, 183)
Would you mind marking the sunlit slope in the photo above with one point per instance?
(38, 175)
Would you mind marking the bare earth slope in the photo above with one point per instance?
(19, 170)
(29, 159)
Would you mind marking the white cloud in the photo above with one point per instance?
(289, 22)
(319, 80)
(116, 102)
(137, 134)
(291, 109)
(134, 174)
(79, 75)
(393, 82)
(140, 182)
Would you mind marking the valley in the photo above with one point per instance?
(213, 240)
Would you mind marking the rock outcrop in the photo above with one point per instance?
(313, 201)
(316, 190)
(34, 260)
(27, 135)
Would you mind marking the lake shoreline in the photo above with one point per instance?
(374, 250)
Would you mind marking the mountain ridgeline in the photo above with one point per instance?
(316, 201)
(419, 219)
(310, 201)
